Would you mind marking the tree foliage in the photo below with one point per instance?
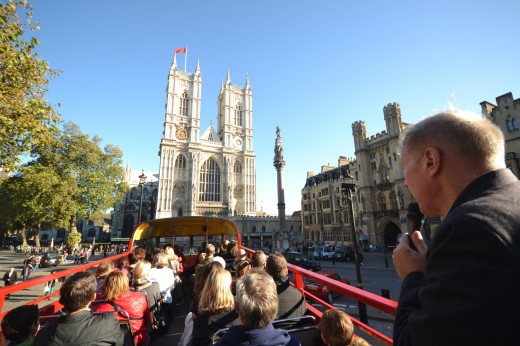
(69, 179)
(35, 196)
(26, 118)
(73, 238)
(97, 173)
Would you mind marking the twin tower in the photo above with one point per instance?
(212, 173)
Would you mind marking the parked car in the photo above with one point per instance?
(299, 260)
(322, 291)
(345, 254)
(324, 252)
(50, 259)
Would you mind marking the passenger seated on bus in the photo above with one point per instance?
(140, 253)
(164, 276)
(216, 308)
(199, 284)
(232, 249)
(243, 268)
(336, 329)
(132, 261)
(116, 292)
(79, 326)
(210, 252)
(21, 324)
(222, 250)
(258, 259)
(291, 301)
(257, 306)
(102, 270)
(240, 255)
(121, 264)
(151, 288)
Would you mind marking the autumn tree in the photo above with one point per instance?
(26, 117)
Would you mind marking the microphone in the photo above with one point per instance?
(415, 217)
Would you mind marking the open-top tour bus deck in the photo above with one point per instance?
(189, 233)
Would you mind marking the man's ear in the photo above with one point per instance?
(432, 158)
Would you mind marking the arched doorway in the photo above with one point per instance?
(390, 232)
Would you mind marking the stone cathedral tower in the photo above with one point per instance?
(212, 174)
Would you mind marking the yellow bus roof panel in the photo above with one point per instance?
(185, 226)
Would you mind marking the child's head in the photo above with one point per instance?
(336, 328)
(21, 323)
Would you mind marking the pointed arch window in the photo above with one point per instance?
(180, 167)
(183, 109)
(393, 201)
(237, 171)
(238, 115)
(381, 201)
(209, 185)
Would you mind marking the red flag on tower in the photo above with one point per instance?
(180, 50)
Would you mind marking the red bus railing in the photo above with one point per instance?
(377, 302)
(52, 307)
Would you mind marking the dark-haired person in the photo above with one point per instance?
(291, 301)
(79, 326)
(10, 278)
(20, 325)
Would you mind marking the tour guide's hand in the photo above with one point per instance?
(407, 260)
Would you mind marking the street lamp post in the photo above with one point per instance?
(348, 189)
(142, 181)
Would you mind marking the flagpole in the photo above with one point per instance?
(185, 58)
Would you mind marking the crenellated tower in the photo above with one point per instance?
(393, 119)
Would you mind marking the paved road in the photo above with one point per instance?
(10, 259)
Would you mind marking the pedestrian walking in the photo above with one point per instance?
(10, 279)
(27, 269)
(50, 285)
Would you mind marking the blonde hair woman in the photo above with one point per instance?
(117, 294)
(150, 288)
(216, 307)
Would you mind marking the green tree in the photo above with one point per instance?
(73, 238)
(26, 118)
(37, 196)
(96, 172)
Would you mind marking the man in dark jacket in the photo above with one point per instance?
(79, 326)
(257, 306)
(291, 302)
(462, 289)
(10, 279)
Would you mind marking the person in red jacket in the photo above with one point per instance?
(116, 292)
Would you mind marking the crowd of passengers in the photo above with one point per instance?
(227, 289)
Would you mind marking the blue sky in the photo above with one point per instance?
(314, 68)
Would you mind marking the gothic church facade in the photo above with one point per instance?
(213, 173)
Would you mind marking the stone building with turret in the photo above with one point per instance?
(506, 115)
(380, 199)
